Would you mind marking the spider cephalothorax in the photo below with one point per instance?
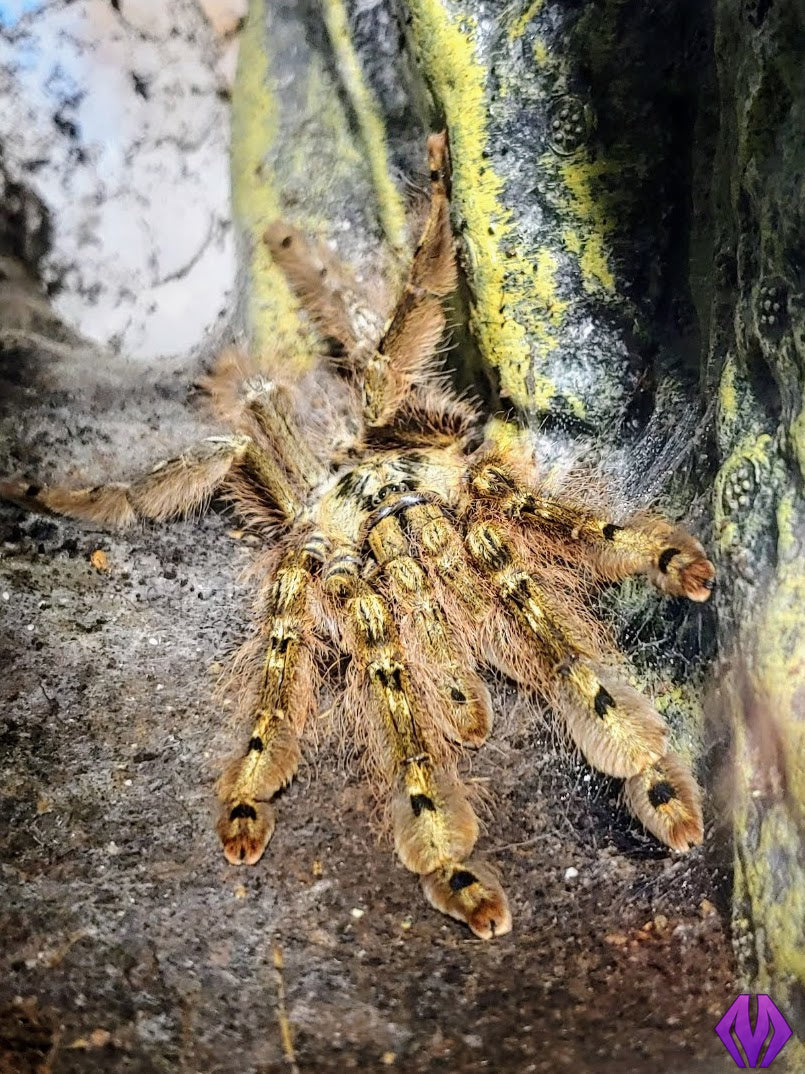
(391, 539)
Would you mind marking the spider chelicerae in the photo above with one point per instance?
(391, 538)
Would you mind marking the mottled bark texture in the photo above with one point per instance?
(627, 192)
(755, 368)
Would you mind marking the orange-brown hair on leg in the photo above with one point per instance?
(460, 697)
(285, 697)
(177, 487)
(666, 801)
(671, 558)
(434, 825)
(616, 729)
(470, 891)
(224, 383)
(407, 350)
(341, 312)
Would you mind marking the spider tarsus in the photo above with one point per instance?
(245, 829)
(697, 580)
(666, 801)
(470, 892)
(21, 492)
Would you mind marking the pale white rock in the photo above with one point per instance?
(119, 130)
(224, 15)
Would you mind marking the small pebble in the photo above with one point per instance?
(706, 908)
(153, 641)
(571, 873)
(357, 913)
(99, 560)
(617, 939)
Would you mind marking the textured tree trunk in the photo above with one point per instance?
(755, 367)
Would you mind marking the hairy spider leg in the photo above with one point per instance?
(286, 696)
(404, 357)
(425, 633)
(268, 415)
(441, 549)
(267, 471)
(339, 308)
(176, 487)
(666, 800)
(405, 353)
(673, 560)
(614, 726)
(435, 827)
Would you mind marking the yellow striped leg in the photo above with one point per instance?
(673, 560)
(286, 696)
(435, 827)
(613, 725)
(462, 695)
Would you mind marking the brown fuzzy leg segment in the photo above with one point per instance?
(614, 726)
(271, 407)
(674, 562)
(462, 694)
(470, 892)
(666, 801)
(340, 311)
(172, 488)
(444, 555)
(434, 825)
(286, 697)
(406, 351)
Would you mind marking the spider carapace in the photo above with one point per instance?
(395, 542)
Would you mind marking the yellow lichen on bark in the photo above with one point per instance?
(272, 314)
(513, 330)
(372, 128)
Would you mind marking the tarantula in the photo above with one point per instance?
(393, 539)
